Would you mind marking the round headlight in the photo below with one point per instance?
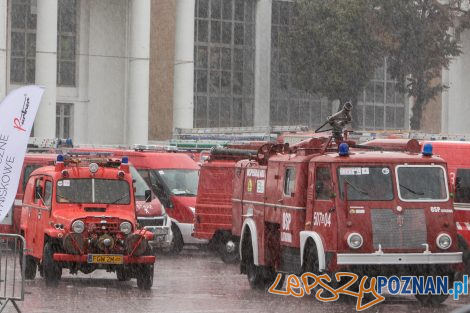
(444, 241)
(125, 227)
(355, 241)
(93, 167)
(78, 226)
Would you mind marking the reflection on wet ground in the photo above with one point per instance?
(194, 281)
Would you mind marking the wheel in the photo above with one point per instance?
(51, 269)
(30, 268)
(311, 265)
(145, 276)
(177, 242)
(254, 273)
(228, 251)
(123, 274)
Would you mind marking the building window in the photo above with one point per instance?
(66, 42)
(224, 63)
(381, 106)
(64, 114)
(290, 105)
(23, 41)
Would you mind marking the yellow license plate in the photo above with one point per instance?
(105, 259)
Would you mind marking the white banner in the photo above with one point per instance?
(17, 114)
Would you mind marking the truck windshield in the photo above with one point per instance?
(373, 183)
(422, 183)
(178, 181)
(140, 184)
(92, 190)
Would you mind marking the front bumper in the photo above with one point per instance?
(162, 236)
(64, 257)
(399, 258)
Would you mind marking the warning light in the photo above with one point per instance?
(343, 149)
(427, 149)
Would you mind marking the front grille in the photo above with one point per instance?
(394, 232)
(151, 221)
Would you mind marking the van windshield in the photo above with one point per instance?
(372, 183)
(422, 183)
(92, 190)
(140, 184)
(179, 182)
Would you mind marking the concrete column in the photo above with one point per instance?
(138, 79)
(262, 62)
(46, 67)
(3, 48)
(183, 106)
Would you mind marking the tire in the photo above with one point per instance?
(123, 274)
(177, 243)
(311, 265)
(30, 268)
(254, 273)
(51, 269)
(145, 276)
(229, 257)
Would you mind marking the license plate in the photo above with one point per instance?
(105, 258)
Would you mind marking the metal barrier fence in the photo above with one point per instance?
(12, 273)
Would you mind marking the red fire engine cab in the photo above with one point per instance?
(328, 205)
(84, 218)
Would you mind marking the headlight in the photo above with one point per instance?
(125, 227)
(355, 241)
(443, 241)
(192, 209)
(78, 226)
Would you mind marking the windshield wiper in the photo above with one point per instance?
(356, 188)
(412, 191)
(119, 199)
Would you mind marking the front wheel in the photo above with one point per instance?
(123, 274)
(51, 269)
(30, 268)
(177, 242)
(145, 276)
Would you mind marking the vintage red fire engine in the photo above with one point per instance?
(329, 205)
(80, 214)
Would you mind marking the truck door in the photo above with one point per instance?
(324, 210)
(44, 212)
(32, 202)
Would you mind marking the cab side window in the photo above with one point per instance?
(462, 186)
(37, 186)
(323, 186)
(28, 169)
(48, 193)
(289, 182)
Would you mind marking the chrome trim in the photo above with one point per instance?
(269, 204)
(379, 258)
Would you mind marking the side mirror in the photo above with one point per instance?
(148, 195)
(38, 192)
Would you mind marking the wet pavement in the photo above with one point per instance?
(194, 281)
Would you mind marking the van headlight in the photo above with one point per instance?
(78, 226)
(125, 227)
(444, 241)
(355, 241)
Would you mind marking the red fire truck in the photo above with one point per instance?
(329, 205)
(84, 218)
(150, 215)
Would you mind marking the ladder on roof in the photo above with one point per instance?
(255, 133)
